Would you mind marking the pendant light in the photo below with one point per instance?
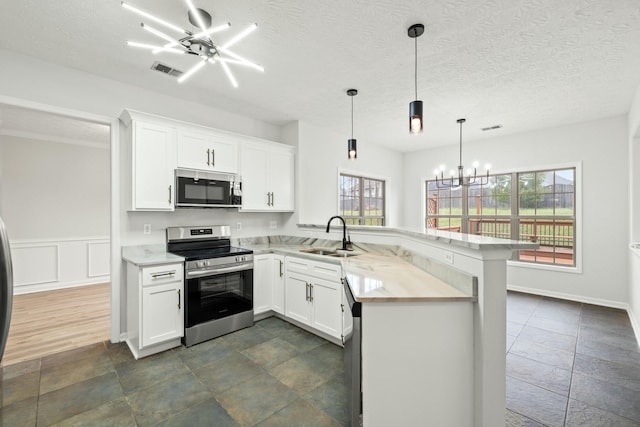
(352, 149)
(415, 107)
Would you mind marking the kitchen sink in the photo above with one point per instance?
(343, 254)
(329, 252)
(319, 251)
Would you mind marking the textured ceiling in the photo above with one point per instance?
(525, 64)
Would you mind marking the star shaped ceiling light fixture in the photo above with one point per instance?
(197, 43)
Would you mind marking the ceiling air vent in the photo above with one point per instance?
(166, 69)
(492, 128)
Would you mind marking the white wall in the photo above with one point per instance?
(634, 212)
(53, 190)
(601, 147)
(321, 154)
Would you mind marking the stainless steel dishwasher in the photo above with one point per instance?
(353, 358)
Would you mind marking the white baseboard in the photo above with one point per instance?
(42, 287)
(571, 297)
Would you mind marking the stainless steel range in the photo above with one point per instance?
(218, 281)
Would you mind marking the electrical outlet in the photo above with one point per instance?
(273, 224)
(147, 229)
(238, 226)
(448, 257)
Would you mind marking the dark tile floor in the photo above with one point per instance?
(272, 374)
(568, 364)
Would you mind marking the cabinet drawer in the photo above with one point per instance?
(165, 273)
(322, 270)
(325, 270)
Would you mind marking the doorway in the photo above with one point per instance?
(55, 197)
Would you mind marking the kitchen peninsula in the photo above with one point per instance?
(466, 326)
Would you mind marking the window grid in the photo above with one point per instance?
(539, 208)
(362, 200)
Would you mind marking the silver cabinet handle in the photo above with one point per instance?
(268, 199)
(273, 199)
(310, 292)
(179, 303)
(213, 157)
(281, 268)
(306, 295)
(169, 194)
(161, 275)
(208, 157)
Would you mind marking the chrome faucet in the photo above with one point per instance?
(345, 242)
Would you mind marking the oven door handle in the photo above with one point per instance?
(217, 271)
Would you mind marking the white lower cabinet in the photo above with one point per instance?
(155, 308)
(268, 283)
(313, 295)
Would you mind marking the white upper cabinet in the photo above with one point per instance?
(267, 171)
(151, 158)
(207, 151)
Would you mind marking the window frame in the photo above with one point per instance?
(515, 216)
(362, 218)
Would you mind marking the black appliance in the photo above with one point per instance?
(218, 280)
(207, 189)
(353, 358)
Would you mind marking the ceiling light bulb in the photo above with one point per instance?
(153, 18)
(487, 167)
(451, 172)
(158, 48)
(442, 168)
(191, 71)
(469, 172)
(227, 71)
(475, 164)
(415, 117)
(241, 59)
(160, 34)
(240, 36)
(436, 172)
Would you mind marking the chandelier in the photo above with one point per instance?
(470, 179)
(197, 43)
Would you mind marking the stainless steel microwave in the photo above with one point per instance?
(202, 189)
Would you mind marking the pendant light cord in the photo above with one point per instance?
(352, 117)
(460, 144)
(416, 66)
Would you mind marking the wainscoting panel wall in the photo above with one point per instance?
(55, 264)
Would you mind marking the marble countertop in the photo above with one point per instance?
(149, 255)
(377, 274)
(471, 241)
(380, 278)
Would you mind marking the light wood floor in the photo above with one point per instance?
(45, 323)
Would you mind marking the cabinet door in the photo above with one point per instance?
(262, 294)
(254, 183)
(194, 150)
(297, 305)
(153, 164)
(280, 177)
(326, 301)
(277, 283)
(162, 315)
(224, 154)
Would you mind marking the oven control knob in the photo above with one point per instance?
(200, 263)
(208, 263)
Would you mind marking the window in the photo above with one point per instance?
(362, 200)
(537, 206)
